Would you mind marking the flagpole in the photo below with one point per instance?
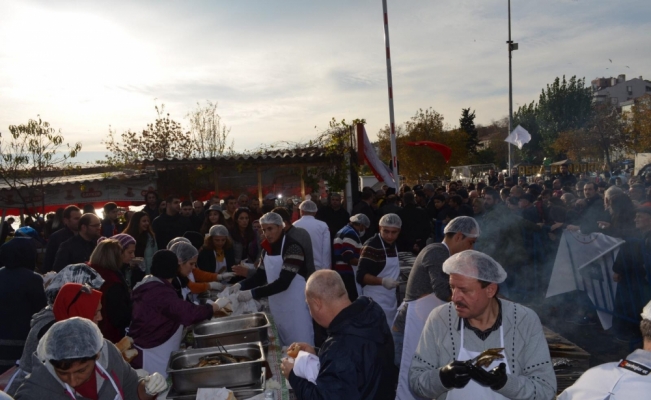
(394, 154)
(512, 47)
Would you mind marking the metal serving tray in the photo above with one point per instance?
(189, 380)
(240, 392)
(236, 329)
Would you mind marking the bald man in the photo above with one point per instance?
(357, 357)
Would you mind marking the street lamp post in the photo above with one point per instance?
(512, 47)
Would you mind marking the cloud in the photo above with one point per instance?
(277, 69)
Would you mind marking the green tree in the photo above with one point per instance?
(420, 162)
(209, 134)
(467, 124)
(31, 157)
(562, 106)
(164, 138)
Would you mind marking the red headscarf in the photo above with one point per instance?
(73, 301)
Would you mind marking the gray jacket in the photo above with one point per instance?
(43, 383)
(527, 354)
(426, 277)
(39, 321)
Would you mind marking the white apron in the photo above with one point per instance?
(417, 313)
(355, 268)
(157, 358)
(384, 297)
(474, 390)
(289, 308)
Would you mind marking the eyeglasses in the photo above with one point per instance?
(83, 289)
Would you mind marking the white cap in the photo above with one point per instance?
(467, 226)
(308, 206)
(391, 221)
(360, 219)
(272, 218)
(218, 230)
(646, 312)
(71, 338)
(474, 264)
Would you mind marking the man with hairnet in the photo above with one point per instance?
(627, 379)
(379, 267)
(74, 361)
(455, 334)
(281, 277)
(319, 234)
(427, 288)
(347, 248)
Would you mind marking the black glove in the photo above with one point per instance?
(455, 375)
(495, 378)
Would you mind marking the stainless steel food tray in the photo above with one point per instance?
(245, 328)
(189, 380)
(240, 392)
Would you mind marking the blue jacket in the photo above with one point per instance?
(356, 358)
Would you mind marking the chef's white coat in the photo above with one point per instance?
(626, 379)
(320, 235)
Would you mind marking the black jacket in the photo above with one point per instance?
(356, 358)
(52, 248)
(364, 208)
(21, 296)
(415, 227)
(167, 227)
(207, 261)
(592, 213)
(334, 219)
(73, 251)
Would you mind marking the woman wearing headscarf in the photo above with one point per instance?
(77, 300)
(73, 361)
(44, 319)
(214, 216)
(190, 280)
(245, 240)
(107, 259)
(21, 296)
(159, 315)
(139, 228)
(217, 254)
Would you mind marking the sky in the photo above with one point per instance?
(280, 70)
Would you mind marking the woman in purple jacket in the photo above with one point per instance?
(159, 315)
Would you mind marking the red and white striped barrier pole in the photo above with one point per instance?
(394, 153)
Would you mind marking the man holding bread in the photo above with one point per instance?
(356, 360)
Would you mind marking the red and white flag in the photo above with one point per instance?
(379, 169)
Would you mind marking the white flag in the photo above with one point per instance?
(519, 137)
(379, 169)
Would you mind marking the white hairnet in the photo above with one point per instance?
(308, 206)
(71, 338)
(74, 273)
(391, 221)
(218, 230)
(177, 240)
(467, 226)
(272, 218)
(646, 312)
(184, 251)
(360, 219)
(474, 264)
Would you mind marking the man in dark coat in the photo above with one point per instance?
(78, 248)
(364, 207)
(415, 225)
(357, 357)
(592, 213)
(171, 224)
(334, 215)
(71, 216)
(21, 296)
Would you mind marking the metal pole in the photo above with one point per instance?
(394, 154)
(510, 44)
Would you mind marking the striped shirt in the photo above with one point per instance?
(347, 246)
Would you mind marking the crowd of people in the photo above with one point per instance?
(331, 280)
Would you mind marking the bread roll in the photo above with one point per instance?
(293, 350)
(125, 344)
(129, 355)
